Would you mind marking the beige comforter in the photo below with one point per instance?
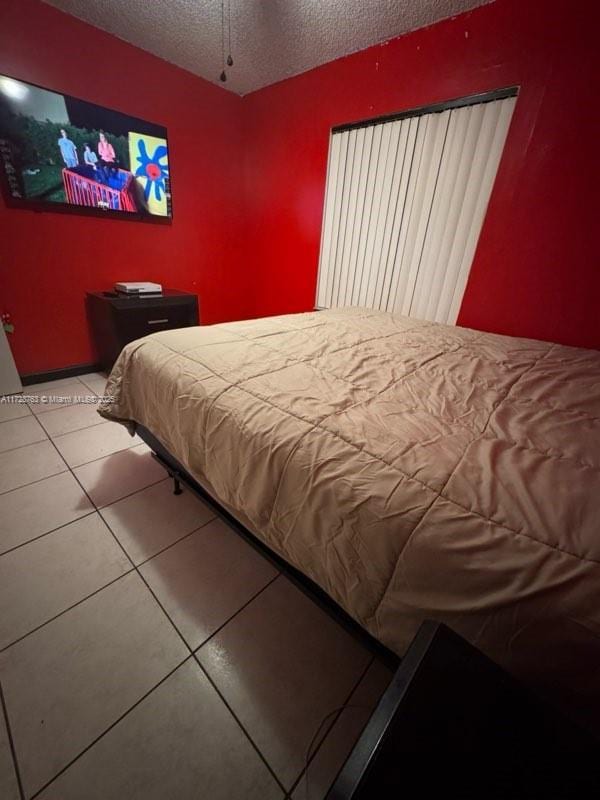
(411, 469)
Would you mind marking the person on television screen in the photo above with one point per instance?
(90, 158)
(107, 156)
(105, 150)
(68, 150)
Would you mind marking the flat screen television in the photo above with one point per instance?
(60, 153)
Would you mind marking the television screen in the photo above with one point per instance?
(62, 153)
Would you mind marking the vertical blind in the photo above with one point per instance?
(404, 204)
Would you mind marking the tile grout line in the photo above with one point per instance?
(64, 382)
(47, 533)
(229, 619)
(16, 419)
(11, 743)
(237, 719)
(76, 430)
(31, 483)
(64, 611)
(93, 460)
(85, 463)
(100, 509)
(59, 407)
(177, 541)
(87, 427)
(28, 444)
(112, 725)
(20, 446)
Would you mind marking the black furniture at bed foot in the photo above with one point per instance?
(452, 721)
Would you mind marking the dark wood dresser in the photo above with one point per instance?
(117, 319)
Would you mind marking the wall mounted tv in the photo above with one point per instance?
(59, 153)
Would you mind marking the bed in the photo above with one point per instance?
(411, 470)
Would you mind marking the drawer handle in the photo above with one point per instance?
(156, 321)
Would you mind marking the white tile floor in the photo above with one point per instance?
(146, 650)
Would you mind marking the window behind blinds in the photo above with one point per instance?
(404, 205)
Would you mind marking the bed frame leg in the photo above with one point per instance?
(171, 472)
(176, 484)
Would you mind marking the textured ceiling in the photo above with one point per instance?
(270, 39)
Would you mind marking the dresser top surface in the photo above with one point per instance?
(120, 300)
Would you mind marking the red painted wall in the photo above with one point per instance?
(48, 261)
(536, 271)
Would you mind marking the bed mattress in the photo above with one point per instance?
(413, 470)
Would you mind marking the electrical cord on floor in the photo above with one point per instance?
(339, 710)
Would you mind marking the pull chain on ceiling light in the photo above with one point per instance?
(229, 61)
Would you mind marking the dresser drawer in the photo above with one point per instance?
(135, 323)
